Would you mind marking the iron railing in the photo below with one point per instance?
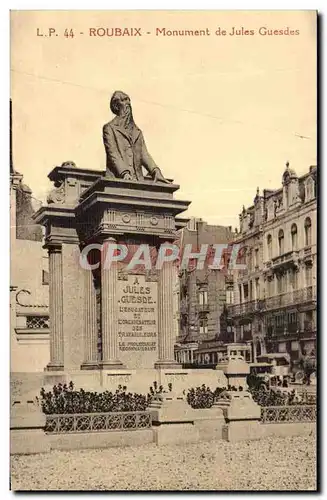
(95, 422)
(288, 414)
(304, 295)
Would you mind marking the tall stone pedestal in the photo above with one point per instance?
(113, 317)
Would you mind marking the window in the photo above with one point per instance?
(308, 321)
(246, 291)
(256, 257)
(203, 323)
(269, 322)
(308, 275)
(247, 328)
(229, 294)
(269, 246)
(294, 236)
(282, 347)
(281, 242)
(279, 284)
(203, 297)
(294, 346)
(270, 287)
(291, 318)
(279, 320)
(250, 262)
(294, 279)
(257, 289)
(307, 230)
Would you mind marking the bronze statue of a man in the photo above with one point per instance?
(124, 144)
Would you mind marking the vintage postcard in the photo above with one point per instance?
(163, 201)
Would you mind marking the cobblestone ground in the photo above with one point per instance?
(270, 464)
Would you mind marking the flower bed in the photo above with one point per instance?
(64, 400)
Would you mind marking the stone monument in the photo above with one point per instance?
(111, 325)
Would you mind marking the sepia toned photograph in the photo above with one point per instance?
(163, 250)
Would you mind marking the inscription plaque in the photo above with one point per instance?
(137, 322)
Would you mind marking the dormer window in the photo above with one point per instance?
(309, 189)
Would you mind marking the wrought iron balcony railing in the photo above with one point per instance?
(303, 296)
(290, 298)
(289, 331)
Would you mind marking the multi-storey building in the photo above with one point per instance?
(29, 280)
(202, 292)
(275, 294)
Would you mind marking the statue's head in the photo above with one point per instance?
(120, 103)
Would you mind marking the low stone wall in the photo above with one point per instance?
(287, 429)
(206, 426)
(101, 439)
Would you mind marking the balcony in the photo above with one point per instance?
(296, 297)
(307, 254)
(286, 260)
(288, 333)
(245, 308)
(307, 251)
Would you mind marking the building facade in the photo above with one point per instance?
(275, 294)
(202, 292)
(29, 282)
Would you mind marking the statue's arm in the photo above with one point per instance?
(112, 152)
(150, 166)
(147, 160)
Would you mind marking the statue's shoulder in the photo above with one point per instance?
(110, 124)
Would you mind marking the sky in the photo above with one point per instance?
(221, 115)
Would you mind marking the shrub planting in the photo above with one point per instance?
(64, 399)
(203, 396)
